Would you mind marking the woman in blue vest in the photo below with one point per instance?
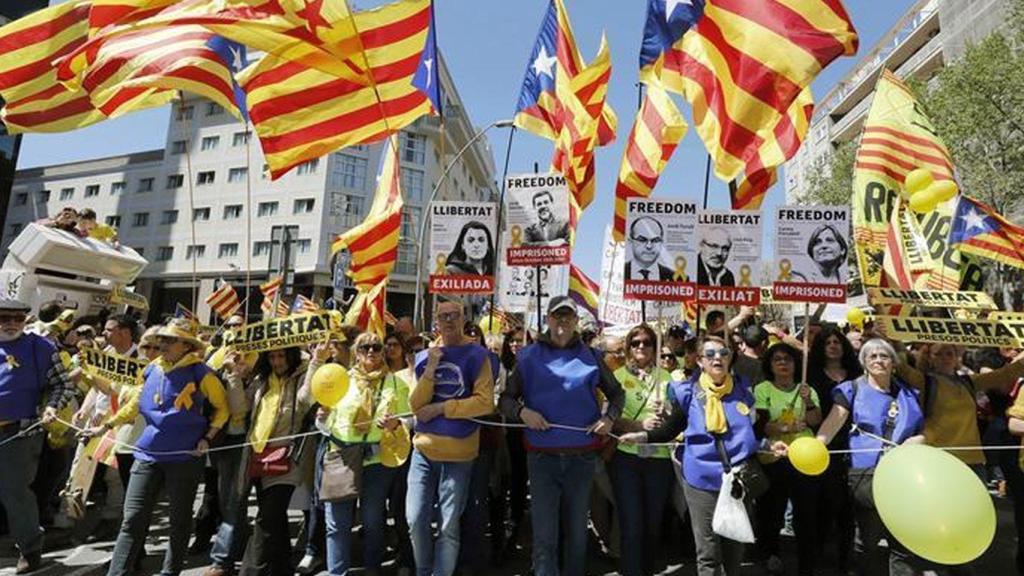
(642, 481)
(715, 412)
(883, 410)
(169, 454)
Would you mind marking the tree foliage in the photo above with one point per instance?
(830, 180)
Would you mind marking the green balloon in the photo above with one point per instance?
(934, 504)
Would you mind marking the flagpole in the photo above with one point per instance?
(191, 202)
(501, 206)
(707, 184)
(248, 220)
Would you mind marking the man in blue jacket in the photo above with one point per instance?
(31, 373)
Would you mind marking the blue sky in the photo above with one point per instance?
(487, 44)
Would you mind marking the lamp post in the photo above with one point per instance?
(419, 313)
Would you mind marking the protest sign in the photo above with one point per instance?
(121, 295)
(728, 255)
(660, 255)
(462, 242)
(811, 248)
(294, 330)
(537, 216)
(517, 290)
(1000, 333)
(931, 298)
(113, 367)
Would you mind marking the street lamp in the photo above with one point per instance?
(419, 313)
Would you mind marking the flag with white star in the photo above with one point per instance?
(667, 21)
(233, 55)
(979, 230)
(538, 103)
(428, 76)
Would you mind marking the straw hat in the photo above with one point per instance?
(182, 329)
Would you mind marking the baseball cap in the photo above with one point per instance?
(11, 305)
(682, 331)
(559, 302)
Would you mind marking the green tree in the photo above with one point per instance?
(830, 180)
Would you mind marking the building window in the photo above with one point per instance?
(15, 229)
(92, 190)
(21, 199)
(213, 109)
(185, 113)
(412, 184)
(261, 248)
(195, 251)
(209, 143)
(118, 188)
(414, 148)
(232, 211)
(237, 175)
(67, 193)
(140, 250)
(114, 221)
(350, 172)
(266, 171)
(406, 262)
(175, 181)
(178, 147)
(140, 219)
(410, 221)
(146, 185)
(228, 250)
(304, 245)
(303, 206)
(164, 253)
(205, 178)
(201, 214)
(308, 167)
(169, 217)
(240, 138)
(266, 209)
(44, 196)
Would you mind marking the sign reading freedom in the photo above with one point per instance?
(295, 330)
(1002, 333)
(113, 367)
(931, 298)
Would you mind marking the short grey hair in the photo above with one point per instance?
(876, 345)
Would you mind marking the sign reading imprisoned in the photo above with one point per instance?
(728, 252)
(1000, 333)
(931, 298)
(537, 232)
(462, 242)
(295, 330)
(113, 367)
(811, 247)
(660, 261)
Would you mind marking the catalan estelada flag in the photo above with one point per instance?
(180, 311)
(373, 245)
(224, 300)
(584, 291)
(301, 113)
(656, 132)
(980, 230)
(304, 305)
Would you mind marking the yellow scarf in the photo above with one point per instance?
(714, 410)
(367, 384)
(266, 416)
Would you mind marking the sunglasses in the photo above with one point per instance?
(712, 353)
(668, 357)
(449, 316)
(640, 343)
(367, 348)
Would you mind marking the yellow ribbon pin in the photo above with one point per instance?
(517, 235)
(785, 270)
(184, 398)
(12, 362)
(680, 272)
(439, 260)
(745, 275)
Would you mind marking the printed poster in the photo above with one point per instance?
(660, 254)
(728, 257)
(537, 220)
(462, 247)
(812, 244)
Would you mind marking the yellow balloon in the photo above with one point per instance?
(934, 504)
(855, 316)
(917, 181)
(491, 325)
(924, 202)
(329, 385)
(944, 190)
(809, 456)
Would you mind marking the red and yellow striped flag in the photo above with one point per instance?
(368, 309)
(657, 130)
(269, 289)
(743, 65)
(373, 245)
(224, 300)
(301, 113)
(584, 291)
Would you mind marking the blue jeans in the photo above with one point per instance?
(18, 463)
(642, 489)
(446, 483)
(227, 544)
(373, 497)
(560, 485)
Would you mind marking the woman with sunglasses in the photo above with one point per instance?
(715, 411)
(374, 398)
(641, 484)
(786, 410)
(884, 411)
(397, 356)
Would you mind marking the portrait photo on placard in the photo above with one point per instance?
(463, 245)
(728, 247)
(812, 244)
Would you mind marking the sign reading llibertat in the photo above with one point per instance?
(537, 216)
(811, 248)
(728, 255)
(660, 253)
(462, 247)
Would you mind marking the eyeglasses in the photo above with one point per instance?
(616, 353)
(449, 316)
(712, 353)
(640, 343)
(11, 318)
(645, 240)
(782, 360)
(668, 357)
(367, 348)
(880, 356)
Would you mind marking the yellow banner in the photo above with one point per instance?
(121, 295)
(931, 299)
(1002, 333)
(1000, 315)
(113, 367)
(295, 330)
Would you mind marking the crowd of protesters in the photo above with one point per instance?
(557, 445)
